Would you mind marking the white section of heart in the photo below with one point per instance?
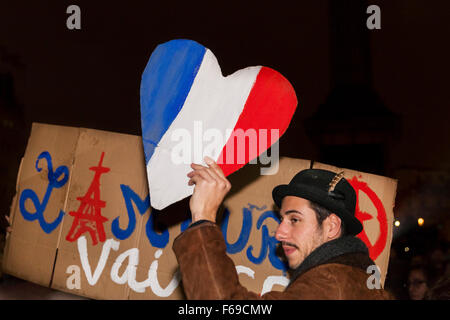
(214, 100)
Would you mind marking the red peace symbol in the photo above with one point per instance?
(375, 249)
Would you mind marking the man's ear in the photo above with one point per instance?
(332, 227)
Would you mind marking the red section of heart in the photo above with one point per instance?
(269, 107)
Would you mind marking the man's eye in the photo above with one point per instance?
(294, 220)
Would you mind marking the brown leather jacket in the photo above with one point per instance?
(208, 273)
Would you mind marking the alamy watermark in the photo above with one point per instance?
(374, 20)
(241, 145)
(74, 20)
(374, 280)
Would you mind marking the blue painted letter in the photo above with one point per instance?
(245, 231)
(143, 205)
(53, 182)
(268, 244)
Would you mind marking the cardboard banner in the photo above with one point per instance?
(82, 221)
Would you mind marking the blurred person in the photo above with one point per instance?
(418, 260)
(437, 258)
(419, 281)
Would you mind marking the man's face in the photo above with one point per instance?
(299, 231)
(417, 285)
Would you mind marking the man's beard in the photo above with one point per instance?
(316, 241)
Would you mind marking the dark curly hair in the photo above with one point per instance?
(322, 213)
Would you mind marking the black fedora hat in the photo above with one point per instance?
(326, 188)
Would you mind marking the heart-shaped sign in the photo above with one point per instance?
(190, 110)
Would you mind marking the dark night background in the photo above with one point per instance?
(370, 100)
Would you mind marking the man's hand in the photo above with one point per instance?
(211, 186)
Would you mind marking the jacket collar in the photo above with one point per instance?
(328, 251)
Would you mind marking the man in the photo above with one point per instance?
(419, 281)
(316, 232)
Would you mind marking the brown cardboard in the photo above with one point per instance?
(139, 266)
(117, 149)
(54, 264)
(384, 190)
(28, 243)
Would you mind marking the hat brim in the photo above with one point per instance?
(352, 225)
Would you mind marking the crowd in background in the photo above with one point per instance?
(420, 277)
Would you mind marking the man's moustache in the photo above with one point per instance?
(288, 244)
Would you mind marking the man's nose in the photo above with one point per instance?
(281, 233)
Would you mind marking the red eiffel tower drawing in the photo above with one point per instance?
(88, 217)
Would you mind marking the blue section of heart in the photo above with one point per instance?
(165, 84)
